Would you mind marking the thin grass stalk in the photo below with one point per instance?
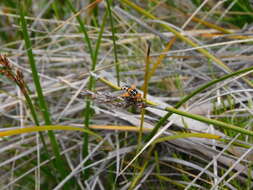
(157, 167)
(42, 103)
(186, 135)
(19, 80)
(93, 55)
(211, 121)
(82, 29)
(90, 87)
(56, 9)
(167, 179)
(167, 138)
(36, 120)
(137, 178)
(93, 67)
(185, 39)
(60, 127)
(195, 92)
(45, 128)
(210, 25)
(88, 103)
(161, 57)
(100, 35)
(113, 29)
(145, 90)
(173, 110)
(93, 13)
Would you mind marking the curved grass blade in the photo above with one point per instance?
(195, 92)
(173, 137)
(45, 128)
(203, 51)
(186, 135)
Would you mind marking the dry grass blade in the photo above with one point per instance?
(193, 44)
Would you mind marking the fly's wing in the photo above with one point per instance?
(117, 93)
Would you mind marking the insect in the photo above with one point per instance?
(131, 92)
(132, 96)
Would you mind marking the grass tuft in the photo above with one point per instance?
(69, 120)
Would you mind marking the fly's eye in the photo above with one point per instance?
(125, 87)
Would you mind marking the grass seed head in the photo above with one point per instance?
(17, 76)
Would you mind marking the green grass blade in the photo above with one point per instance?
(211, 121)
(137, 177)
(117, 66)
(36, 120)
(42, 102)
(87, 110)
(82, 29)
(195, 92)
(94, 56)
(102, 27)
